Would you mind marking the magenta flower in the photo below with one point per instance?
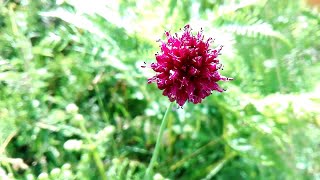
(187, 68)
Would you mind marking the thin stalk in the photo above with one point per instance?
(101, 104)
(215, 168)
(94, 152)
(9, 168)
(195, 153)
(158, 143)
(102, 107)
(278, 70)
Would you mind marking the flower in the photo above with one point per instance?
(187, 68)
(72, 108)
(72, 145)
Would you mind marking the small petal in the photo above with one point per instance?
(173, 75)
(182, 97)
(193, 71)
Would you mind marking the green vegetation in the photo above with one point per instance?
(74, 102)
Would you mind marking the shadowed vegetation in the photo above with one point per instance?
(75, 103)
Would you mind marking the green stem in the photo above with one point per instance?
(101, 104)
(195, 153)
(278, 70)
(94, 152)
(158, 143)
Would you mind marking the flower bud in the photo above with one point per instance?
(43, 176)
(72, 145)
(72, 108)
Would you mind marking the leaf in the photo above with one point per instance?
(256, 30)
(215, 168)
(232, 8)
(78, 20)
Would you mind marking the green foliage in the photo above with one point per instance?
(74, 103)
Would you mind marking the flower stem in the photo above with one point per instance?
(158, 143)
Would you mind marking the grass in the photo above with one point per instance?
(74, 102)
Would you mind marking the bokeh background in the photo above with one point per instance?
(74, 102)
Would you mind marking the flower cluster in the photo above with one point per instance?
(187, 68)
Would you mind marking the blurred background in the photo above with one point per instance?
(74, 102)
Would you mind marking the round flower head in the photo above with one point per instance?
(187, 68)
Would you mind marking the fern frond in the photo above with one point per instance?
(255, 31)
(230, 9)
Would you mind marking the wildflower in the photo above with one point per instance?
(72, 145)
(55, 172)
(43, 176)
(187, 68)
(72, 108)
